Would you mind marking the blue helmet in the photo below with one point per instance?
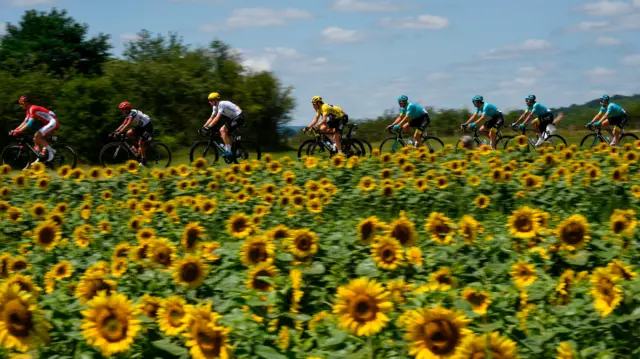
(605, 98)
(477, 99)
(403, 98)
(530, 98)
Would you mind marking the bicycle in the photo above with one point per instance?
(365, 143)
(320, 144)
(433, 143)
(598, 137)
(240, 148)
(531, 141)
(476, 138)
(22, 154)
(120, 151)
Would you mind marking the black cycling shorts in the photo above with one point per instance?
(420, 123)
(618, 121)
(545, 120)
(232, 123)
(143, 132)
(337, 123)
(496, 122)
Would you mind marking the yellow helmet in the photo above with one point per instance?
(214, 96)
(316, 99)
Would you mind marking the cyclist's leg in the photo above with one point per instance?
(616, 124)
(224, 133)
(335, 125)
(143, 138)
(420, 124)
(50, 128)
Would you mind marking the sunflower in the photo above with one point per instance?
(20, 180)
(523, 274)
(524, 223)
(263, 269)
(104, 227)
(92, 284)
(206, 338)
(440, 227)
(62, 270)
(19, 264)
(479, 300)
(162, 253)
(83, 235)
(478, 346)
(279, 233)
(367, 229)
(47, 235)
(257, 250)
(135, 223)
(22, 324)
(274, 167)
(367, 184)
(421, 184)
(119, 267)
(621, 270)
(530, 181)
(239, 225)
(403, 230)
(620, 173)
(414, 256)
(362, 306)
(38, 210)
(469, 228)
(121, 251)
(442, 182)
(170, 315)
(564, 286)
(303, 243)
(314, 205)
(386, 191)
(149, 306)
(398, 289)
(482, 201)
(338, 160)
(573, 232)
(387, 252)
(605, 291)
(208, 251)
(190, 271)
(442, 280)
(565, 351)
(25, 282)
(110, 323)
(435, 332)
(623, 222)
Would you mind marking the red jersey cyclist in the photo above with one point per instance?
(141, 129)
(45, 122)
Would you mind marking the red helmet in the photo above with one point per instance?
(23, 99)
(124, 105)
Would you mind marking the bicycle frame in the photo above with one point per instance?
(598, 131)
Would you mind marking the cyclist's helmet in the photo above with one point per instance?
(605, 98)
(403, 98)
(316, 99)
(477, 98)
(214, 96)
(23, 99)
(124, 105)
(531, 98)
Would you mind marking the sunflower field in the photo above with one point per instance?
(413, 255)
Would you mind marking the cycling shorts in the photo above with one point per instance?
(143, 132)
(618, 121)
(49, 128)
(496, 122)
(232, 123)
(337, 123)
(544, 121)
(421, 122)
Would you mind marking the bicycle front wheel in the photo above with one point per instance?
(433, 144)
(18, 157)
(205, 150)
(353, 147)
(589, 141)
(461, 148)
(368, 149)
(303, 150)
(391, 145)
(65, 155)
(114, 154)
(158, 155)
(245, 150)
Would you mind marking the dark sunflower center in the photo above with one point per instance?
(303, 243)
(441, 337)
(19, 265)
(175, 316)
(573, 233)
(209, 342)
(46, 235)
(476, 299)
(388, 255)
(363, 308)
(260, 284)
(619, 226)
(257, 253)
(402, 233)
(366, 231)
(239, 225)
(192, 237)
(523, 223)
(190, 272)
(112, 328)
(163, 256)
(17, 317)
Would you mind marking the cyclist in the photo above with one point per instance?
(610, 113)
(141, 132)
(543, 117)
(418, 118)
(487, 110)
(42, 118)
(333, 117)
(229, 115)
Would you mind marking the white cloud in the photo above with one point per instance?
(513, 51)
(608, 41)
(530, 71)
(630, 21)
(24, 3)
(636, 3)
(518, 82)
(285, 52)
(257, 17)
(600, 72)
(438, 76)
(3, 29)
(129, 37)
(631, 60)
(426, 21)
(605, 8)
(367, 6)
(336, 35)
(260, 63)
(588, 26)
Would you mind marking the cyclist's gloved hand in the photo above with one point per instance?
(463, 126)
(521, 126)
(11, 133)
(597, 124)
(388, 127)
(396, 127)
(472, 125)
(588, 125)
(513, 124)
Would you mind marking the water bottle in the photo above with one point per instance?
(410, 142)
(608, 139)
(484, 141)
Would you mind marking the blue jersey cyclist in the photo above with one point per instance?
(411, 116)
(610, 113)
(488, 112)
(543, 117)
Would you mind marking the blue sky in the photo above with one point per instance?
(362, 54)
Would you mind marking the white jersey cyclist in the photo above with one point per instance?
(139, 118)
(227, 108)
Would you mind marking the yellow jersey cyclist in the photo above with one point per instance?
(411, 116)
(610, 113)
(229, 115)
(486, 110)
(543, 117)
(333, 117)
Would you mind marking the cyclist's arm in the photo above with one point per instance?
(596, 117)
(315, 119)
(22, 126)
(471, 118)
(521, 117)
(480, 119)
(124, 126)
(397, 120)
(212, 121)
(403, 119)
(529, 116)
(324, 120)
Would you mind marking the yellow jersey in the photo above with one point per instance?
(327, 109)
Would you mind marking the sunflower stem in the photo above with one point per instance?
(371, 348)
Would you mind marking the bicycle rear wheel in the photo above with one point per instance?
(353, 147)
(367, 147)
(65, 155)
(245, 150)
(18, 157)
(433, 144)
(114, 154)
(158, 155)
(391, 145)
(205, 150)
(554, 140)
(627, 138)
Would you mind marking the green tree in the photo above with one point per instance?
(55, 40)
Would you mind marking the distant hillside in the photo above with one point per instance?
(624, 101)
